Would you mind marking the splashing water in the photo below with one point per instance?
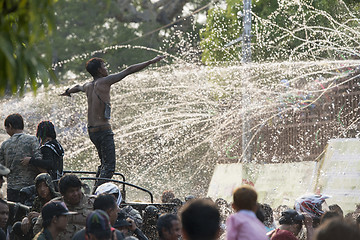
(173, 124)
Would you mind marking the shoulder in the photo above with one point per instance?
(283, 234)
(29, 138)
(119, 235)
(79, 235)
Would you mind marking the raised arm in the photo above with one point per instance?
(114, 78)
(74, 89)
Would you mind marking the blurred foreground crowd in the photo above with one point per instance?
(73, 214)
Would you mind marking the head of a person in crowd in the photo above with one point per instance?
(200, 220)
(189, 198)
(168, 227)
(107, 203)
(4, 213)
(278, 210)
(70, 189)
(292, 221)
(14, 123)
(329, 215)
(44, 186)
(178, 204)
(45, 131)
(268, 213)
(121, 223)
(98, 226)
(245, 198)
(312, 205)
(151, 215)
(336, 208)
(357, 220)
(109, 188)
(4, 171)
(167, 196)
(260, 213)
(54, 215)
(336, 229)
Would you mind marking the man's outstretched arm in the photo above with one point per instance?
(114, 78)
(74, 89)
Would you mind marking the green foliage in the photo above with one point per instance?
(222, 27)
(286, 30)
(23, 26)
(89, 29)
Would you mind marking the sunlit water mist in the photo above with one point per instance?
(173, 124)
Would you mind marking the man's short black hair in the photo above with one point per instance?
(104, 202)
(200, 220)
(68, 181)
(165, 221)
(93, 65)
(15, 120)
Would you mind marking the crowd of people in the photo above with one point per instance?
(73, 214)
(55, 206)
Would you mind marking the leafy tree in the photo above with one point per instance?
(294, 30)
(91, 27)
(23, 26)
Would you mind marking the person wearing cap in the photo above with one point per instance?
(98, 226)
(54, 215)
(290, 226)
(75, 200)
(127, 226)
(4, 171)
(12, 151)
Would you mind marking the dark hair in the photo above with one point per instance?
(68, 181)
(15, 120)
(167, 196)
(200, 219)
(104, 202)
(260, 213)
(46, 223)
(337, 229)
(329, 215)
(165, 221)
(93, 65)
(3, 201)
(268, 213)
(245, 197)
(45, 129)
(336, 208)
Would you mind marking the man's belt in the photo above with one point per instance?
(99, 128)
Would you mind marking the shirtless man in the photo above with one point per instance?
(98, 96)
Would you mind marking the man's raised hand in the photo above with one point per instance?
(66, 93)
(156, 59)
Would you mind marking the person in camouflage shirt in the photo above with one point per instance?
(12, 151)
(75, 200)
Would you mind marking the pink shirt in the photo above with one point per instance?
(244, 225)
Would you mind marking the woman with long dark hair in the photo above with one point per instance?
(51, 150)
